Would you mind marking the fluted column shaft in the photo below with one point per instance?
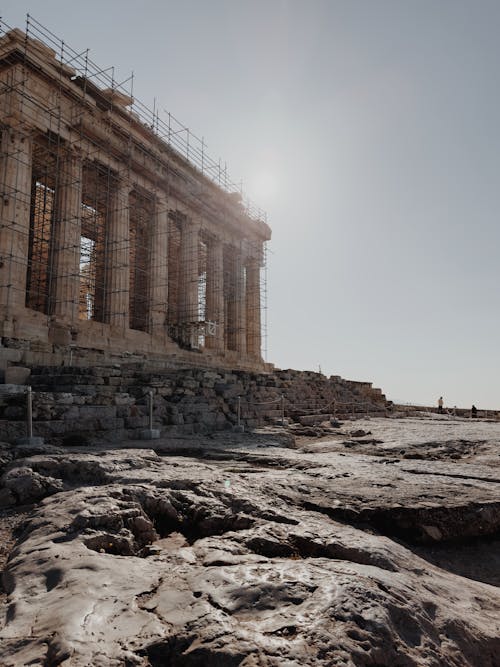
(158, 292)
(188, 281)
(65, 288)
(15, 206)
(253, 321)
(240, 306)
(117, 275)
(215, 294)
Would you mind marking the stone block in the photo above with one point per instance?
(72, 413)
(97, 412)
(190, 383)
(85, 390)
(149, 434)
(49, 429)
(40, 346)
(59, 335)
(123, 399)
(33, 440)
(106, 391)
(8, 354)
(233, 391)
(209, 419)
(210, 375)
(221, 387)
(15, 412)
(136, 422)
(116, 435)
(6, 389)
(16, 343)
(110, 424)
(64, 398)
(175, 419)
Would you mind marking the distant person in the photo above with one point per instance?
(440, 405)
(473, 412)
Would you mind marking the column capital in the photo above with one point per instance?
(19, 127)
(162, 199)
(73, 152)
(190, 224)
(121, 181)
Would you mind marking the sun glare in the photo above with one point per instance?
(264, 185)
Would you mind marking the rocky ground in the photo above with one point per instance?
(375, 544)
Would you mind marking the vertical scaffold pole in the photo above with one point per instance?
(30, 412)
(151, 409)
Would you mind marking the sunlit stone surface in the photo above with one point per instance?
(374, 549)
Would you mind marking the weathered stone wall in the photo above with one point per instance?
(112, 401)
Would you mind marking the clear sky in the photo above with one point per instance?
(369, 131)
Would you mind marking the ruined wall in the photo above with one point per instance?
(112, 402)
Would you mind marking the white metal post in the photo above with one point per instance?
(151, 409)
(30, 412)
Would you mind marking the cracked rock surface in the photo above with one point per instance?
(384, 551)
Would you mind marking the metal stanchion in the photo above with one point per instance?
(151, 409)
(239, 428)
(30, 439)
(29, 412)
(150, 433)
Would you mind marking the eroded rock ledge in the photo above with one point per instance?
(248, 554)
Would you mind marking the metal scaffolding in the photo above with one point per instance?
(81, 194)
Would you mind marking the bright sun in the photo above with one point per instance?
(264, 185)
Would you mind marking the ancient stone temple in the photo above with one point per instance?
(119, 236)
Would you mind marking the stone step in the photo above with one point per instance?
(311, 420)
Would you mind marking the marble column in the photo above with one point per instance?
(117, 274)
(188, 282)
(15, 206)
(240, 306)
(253, 322)
(215, 294)
(158, 284)
(65, 287)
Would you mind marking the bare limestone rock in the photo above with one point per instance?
(238, 553)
